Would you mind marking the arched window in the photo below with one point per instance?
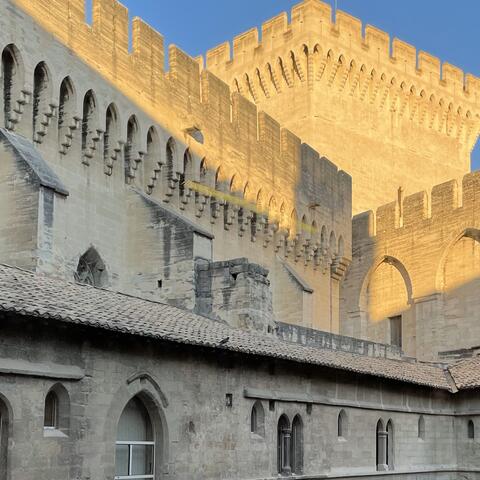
(342, 424)
(283, 445)
(57, 409)
(421, 428)
(381, 447)
(4, 435)
(91, 269)
(135, 445)
(110, 139)
(471, 430)
(41, 84)
(390, 445)
(257, 419)
(297, 445)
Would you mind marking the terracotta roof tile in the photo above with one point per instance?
(31, 294)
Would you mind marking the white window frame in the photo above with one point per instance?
(130, 456)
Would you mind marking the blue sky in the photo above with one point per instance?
(448, 29)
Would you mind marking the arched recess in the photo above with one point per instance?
(42, 99)
(385, 304)
(257, 419)
(390, 445)
(111, 136)
(283, 445)
(6, 417)
(90, 128)
(91, 269)
(148, 395)
(57, 409)
(152, 159)
(12, 78)
(342, 425)
(186, 174)
(458, 278)
(132, 149)
(66, 115)
(297, 445)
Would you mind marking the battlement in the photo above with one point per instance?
(240, 141)
(421, 209)
(312, 26)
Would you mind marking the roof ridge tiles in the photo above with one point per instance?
(154, 320)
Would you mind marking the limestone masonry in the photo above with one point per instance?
(183, 291)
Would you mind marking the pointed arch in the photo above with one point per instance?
(13, 78)
(89, 123)
(390, 445)
(283, 445)
(41, 102)
(257, 419)
(66, 114)
(421, 427)
(186, 173)
(152, 158)
(342, 424)
(110, 138)
(170, 160)
(297, 445)
(91, 269)
(132, 156)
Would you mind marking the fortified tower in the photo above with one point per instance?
(391, 120)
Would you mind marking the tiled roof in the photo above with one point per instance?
(30, 294)
(466, 373)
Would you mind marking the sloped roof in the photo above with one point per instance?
(24, 149)
(466, 373)
(29, 294)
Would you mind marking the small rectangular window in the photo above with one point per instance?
(396, 330)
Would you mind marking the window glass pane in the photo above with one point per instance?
(142, 460)
(134, 424)
(50, 410)
(121, 460)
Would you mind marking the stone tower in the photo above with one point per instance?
(390, 120)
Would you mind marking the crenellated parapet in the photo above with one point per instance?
(421, 210)
(313, 49)
(417, 258)
(241, 148)
(138, 146)
(355, 85)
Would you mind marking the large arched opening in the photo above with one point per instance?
(385, 301)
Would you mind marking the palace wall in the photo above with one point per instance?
(388, 115)
(126, 150)
(198, 434)
(419, 259)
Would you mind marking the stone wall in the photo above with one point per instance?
(388, 115)
(113, 140)
(418, 259)
(201, 436)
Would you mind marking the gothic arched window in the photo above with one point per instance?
(342, 424)
(283, 445)
(135, 444)
(297, 445)
(257, 419)
(91, 269)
